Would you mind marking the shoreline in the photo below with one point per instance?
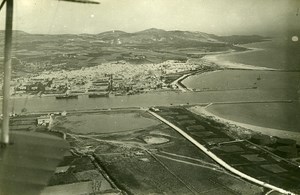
(231, 65)
(258, 129)
(223, 65)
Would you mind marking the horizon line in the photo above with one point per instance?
(267, 36)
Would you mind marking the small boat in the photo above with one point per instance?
(73, 96)
(258, 78)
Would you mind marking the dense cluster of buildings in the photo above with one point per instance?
(119, 78)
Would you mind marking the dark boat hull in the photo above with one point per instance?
(67, 97)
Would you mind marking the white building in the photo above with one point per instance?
(44, 120)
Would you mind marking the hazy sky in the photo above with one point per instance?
(221, 17)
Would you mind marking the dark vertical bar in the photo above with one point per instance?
(7, 71)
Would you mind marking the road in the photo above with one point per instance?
(177, 82)
(220, 161)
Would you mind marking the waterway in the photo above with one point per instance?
(37, 104)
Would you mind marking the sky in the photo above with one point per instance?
(221, 17)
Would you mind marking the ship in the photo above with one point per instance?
(96, 95)
(67, 96)
(258, 78)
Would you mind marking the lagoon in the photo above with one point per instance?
(104, 122)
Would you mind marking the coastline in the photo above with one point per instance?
(221, 64)
(229, 65)
(258, 129)
(232, 65)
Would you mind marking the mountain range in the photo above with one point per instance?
(148, 36)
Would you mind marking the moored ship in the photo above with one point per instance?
(67, 96)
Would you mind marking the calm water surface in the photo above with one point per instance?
(37, 104)
(106, 122)
(245, 79)
(280, 53)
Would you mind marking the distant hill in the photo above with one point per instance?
(154, 35)
(148, 36)
(111, 34)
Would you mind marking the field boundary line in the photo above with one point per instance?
(220, 161)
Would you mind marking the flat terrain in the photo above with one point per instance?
(105, 122)
(77, 175)
(232, 147)
(157, 160)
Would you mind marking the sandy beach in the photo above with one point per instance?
(227, 64)
(199, 110)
